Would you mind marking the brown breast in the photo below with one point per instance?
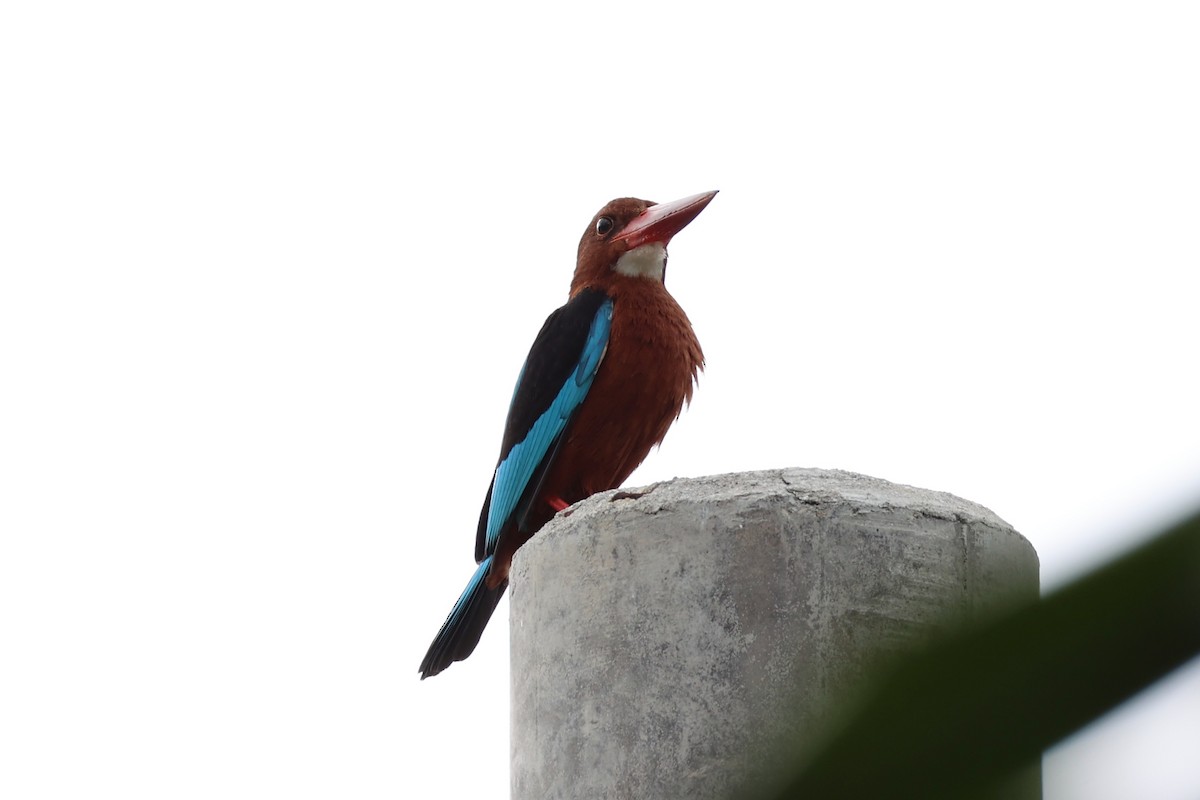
(646, 377)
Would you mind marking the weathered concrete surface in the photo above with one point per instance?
(654, 639)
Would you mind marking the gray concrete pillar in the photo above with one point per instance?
(653, 638)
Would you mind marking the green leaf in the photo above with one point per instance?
(968, 713)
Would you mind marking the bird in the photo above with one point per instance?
(606, 376)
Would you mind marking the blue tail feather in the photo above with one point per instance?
(462, 629)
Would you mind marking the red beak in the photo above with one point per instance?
(659, 223)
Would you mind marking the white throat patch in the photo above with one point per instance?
(647, 261)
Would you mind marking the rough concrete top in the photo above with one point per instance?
(665, 639)
(808, 485)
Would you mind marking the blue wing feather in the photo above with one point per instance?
(517, 468)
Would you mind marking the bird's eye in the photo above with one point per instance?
(604, 226)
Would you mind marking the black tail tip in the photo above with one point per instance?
(428, 670)
(461, 631)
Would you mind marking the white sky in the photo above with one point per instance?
(268, 272)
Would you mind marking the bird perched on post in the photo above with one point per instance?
(606, 376)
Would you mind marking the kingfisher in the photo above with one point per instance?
(606, 376)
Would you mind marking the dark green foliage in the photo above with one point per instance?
(968, 713)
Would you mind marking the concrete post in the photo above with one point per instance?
(653, 638)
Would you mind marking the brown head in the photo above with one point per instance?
(627, 239)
